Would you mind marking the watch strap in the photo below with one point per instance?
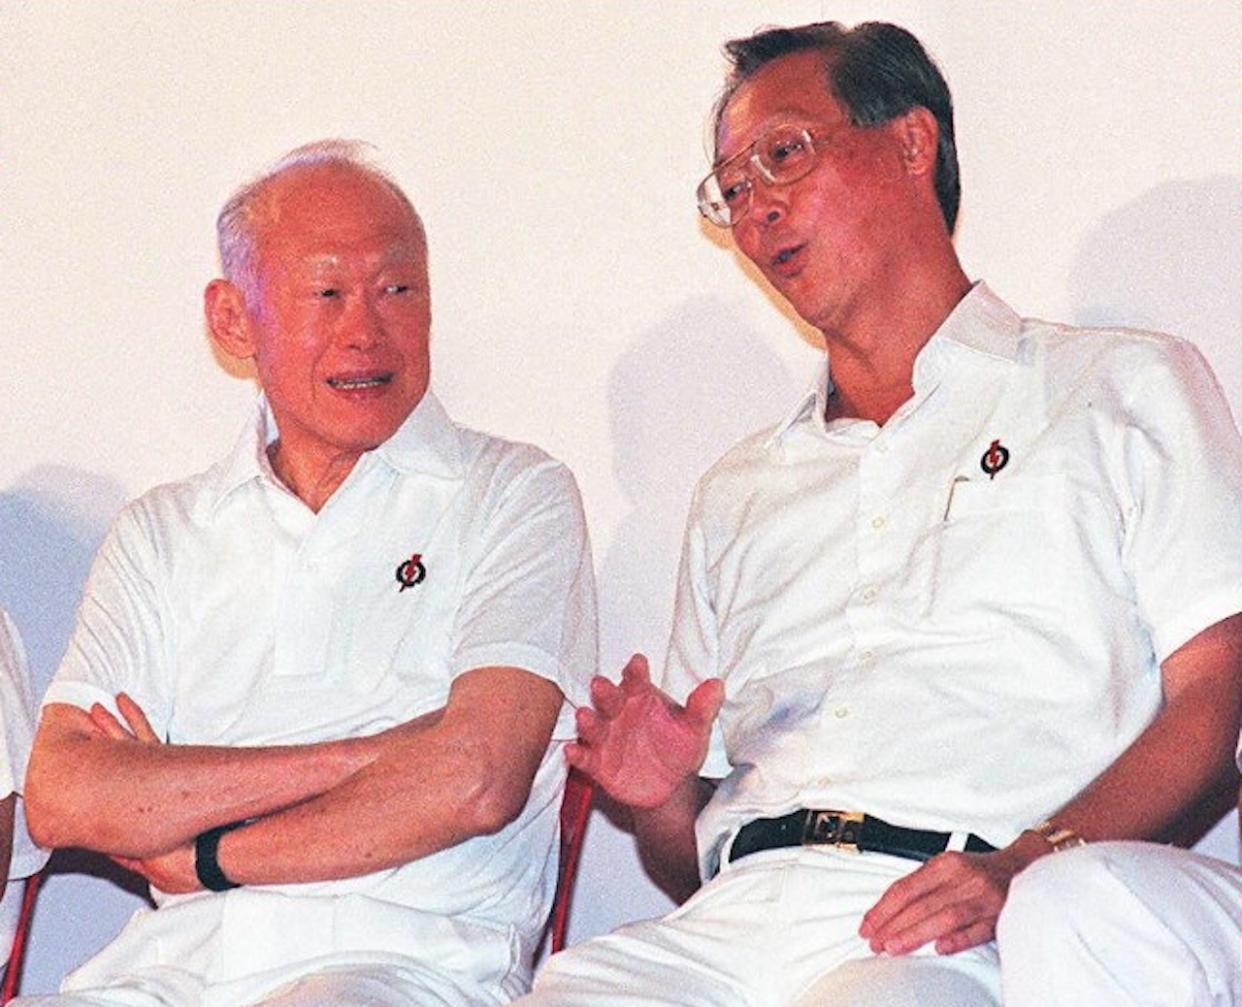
(206, 859)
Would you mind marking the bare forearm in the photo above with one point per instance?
(1184, 755)
(437, 781)
(140, 800)
(369, 823)
(666, 840)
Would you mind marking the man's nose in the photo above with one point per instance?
(362, 327)
(767, 203)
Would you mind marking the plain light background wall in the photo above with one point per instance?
(553, 149)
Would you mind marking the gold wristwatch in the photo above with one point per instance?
(1058, 837)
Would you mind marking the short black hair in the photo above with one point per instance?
(877, 71)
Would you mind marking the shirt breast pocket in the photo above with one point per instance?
(401, 637)
(998, 553)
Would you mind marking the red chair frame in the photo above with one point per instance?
(575, 811)
(17, 955)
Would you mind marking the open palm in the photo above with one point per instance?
(637, 743)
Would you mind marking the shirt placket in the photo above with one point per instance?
(877, 523)
(303, 609)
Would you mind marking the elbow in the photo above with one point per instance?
(495, 801)
(46, 817)
(55, 801)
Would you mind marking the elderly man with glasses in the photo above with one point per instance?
(971, 603)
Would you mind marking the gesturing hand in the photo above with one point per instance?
(637, 743)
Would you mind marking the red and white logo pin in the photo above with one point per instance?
(995, 458)
(411, 572)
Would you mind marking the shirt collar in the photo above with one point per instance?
(980, 322)
(813, 402)
(427, 442)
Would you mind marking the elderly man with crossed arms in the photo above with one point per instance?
(313, 694)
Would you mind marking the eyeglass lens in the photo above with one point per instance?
(779, 157)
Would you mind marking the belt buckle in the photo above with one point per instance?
(833, 828)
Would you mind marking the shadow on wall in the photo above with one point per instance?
(679, 398)
(52, 521)
(1170, 261)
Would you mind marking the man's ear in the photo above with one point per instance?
(919, 135)
(225, 308)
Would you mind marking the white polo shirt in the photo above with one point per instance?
(236, 616)
(956, 621)
(17, 716)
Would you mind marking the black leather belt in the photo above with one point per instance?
(850, 829)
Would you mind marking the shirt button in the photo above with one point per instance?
(881, 446)
(869, 594)
(841, 712)
(878, 522)
(867, 655)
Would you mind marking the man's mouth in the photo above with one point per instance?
(787, 259)
(360, 381)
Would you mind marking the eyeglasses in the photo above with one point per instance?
(781, 155)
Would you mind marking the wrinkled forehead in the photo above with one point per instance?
(326, 210)
(790, 89)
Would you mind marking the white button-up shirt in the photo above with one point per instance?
(235, 616)
(956, 621)
(17, 714)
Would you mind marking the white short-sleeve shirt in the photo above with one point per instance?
(236, 616)
(956, 621)
(17, 715)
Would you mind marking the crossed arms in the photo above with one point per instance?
(323, 811)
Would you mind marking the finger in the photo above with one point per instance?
(917, 923)
(898, 897)
(581, 758)
(636, 673)
(607, 698)
(136, 719)
(103, 721)
(968, 937)
(703, 704)
(941, 918)
(591, 728)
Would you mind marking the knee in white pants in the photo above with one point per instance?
(1045, 897)
(1122, 923)
(898, 982)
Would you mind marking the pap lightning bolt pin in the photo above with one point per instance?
(411, 572)
(995, 458)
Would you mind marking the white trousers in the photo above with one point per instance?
(776, 929)
(1123, 925)
(251, 947)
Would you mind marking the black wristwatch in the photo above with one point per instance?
(206, 859)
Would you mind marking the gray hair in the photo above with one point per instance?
(238, 221)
